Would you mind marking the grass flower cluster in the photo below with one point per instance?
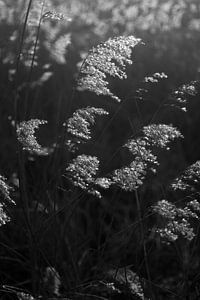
(82, 172)
(155, 77)
(177, 220)
(4, 218)
(131, 177)
(26, 136)
(180, 95)
(109, 58)
(78, 126)
(189, 178)
(5, 190)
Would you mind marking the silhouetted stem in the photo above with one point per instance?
(18, 60)
(143, 242)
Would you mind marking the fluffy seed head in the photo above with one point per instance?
(109, 58)
(26, 136)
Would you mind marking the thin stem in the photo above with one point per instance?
(34, 54)
(21, 164)
(18, 60)
(23, 35)
(143, 242)
(60, 144)
(25, 207)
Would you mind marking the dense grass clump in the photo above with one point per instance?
(100, 171)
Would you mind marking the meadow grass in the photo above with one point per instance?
(80, 217)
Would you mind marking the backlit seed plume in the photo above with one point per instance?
(5, 190)
(161, 134)
(52, 281)
(109, 58)
(103, 182)
(195, 205)
(188, 179)
(141, 92)
(180, 96)
(26, 136)
(131, 177)
(155, 77)
(4, 218)
(125, 276)
(176, 220)
(82, 172)
(5, 199)
(140, 149)
(79, 124)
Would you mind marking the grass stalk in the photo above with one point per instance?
(140, 220)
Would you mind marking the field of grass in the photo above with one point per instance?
(100, 149)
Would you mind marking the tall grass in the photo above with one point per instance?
(78, 223)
